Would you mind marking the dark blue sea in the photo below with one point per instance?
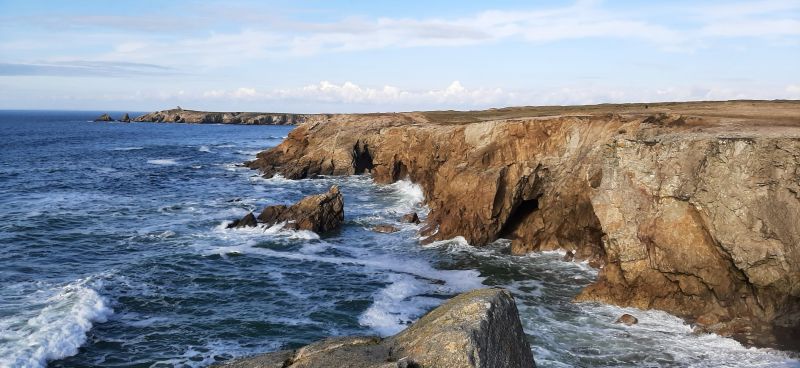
(114, 253)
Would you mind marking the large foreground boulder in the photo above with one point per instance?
(480, 328)
(318, 213)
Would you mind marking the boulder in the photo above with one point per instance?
(104, 117)
(249, 220)
(411, 218)
(627, 319)
(125, 118)
(318, 213)
(383, 228)
(569, 257)
(480, 328)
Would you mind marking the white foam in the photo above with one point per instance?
(55, 329)
(127, 148)
(204, 149)
(164, 161)
(411, 196)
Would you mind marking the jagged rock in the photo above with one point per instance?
(249, 220)
(480, 328)
(125, 118)
(569, 256)
(627, 319)
(318, 213)
(695, 209)
(104, 117)
(411, 218)
(385, 229)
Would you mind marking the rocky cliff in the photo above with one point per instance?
(179, 115)
(693, 208)
(477, 329)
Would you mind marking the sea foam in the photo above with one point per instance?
(53, 329)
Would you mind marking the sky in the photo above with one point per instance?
(370, 56)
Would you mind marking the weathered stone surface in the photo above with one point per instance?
(479, 329)
(476, 329)
(249, 220)
(693, 208)
(179, 115)
(385, 229)
(411, 218)
(627, 319)
(318, 213)
(104, 117)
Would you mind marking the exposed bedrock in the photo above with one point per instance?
(691, 208)
(478, 329)
(179, 115)
(318, 213)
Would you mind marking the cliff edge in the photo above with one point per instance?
(692, 208)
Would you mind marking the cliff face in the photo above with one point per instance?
(690, 208)
(245, 118)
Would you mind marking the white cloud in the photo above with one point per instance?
(668, 27)
(347, 96)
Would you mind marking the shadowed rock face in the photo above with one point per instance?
(693, 208)
(478, 329)
(318, 213)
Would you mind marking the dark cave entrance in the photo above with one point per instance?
(362, 158)
(518, 216)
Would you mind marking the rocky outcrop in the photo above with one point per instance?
(480, 328)
(249, 220)
(386, 229)
(104, 118)
(318, 213)
(125, 118)
(179, 115)
(692, 208)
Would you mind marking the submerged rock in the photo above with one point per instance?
(627, 319)
(385, 229)
(411, 218)
(479, 329)
(104, 117)
(249, 220)
(318, 213)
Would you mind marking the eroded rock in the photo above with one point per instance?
(480, 329)
(386, 229)
(104, 117)
(125, 118)
(318, 213)
(627, 319)
(411, 218)
(249, 220)
(692, 208)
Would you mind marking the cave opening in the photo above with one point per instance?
(518, 215)
(399, 171)
(362, 158)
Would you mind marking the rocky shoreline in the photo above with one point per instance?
(179, 115)
(691, 208)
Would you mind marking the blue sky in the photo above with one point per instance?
(355, 56)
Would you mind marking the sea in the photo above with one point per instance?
(114, 252)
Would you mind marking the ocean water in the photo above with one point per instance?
(114, 253)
